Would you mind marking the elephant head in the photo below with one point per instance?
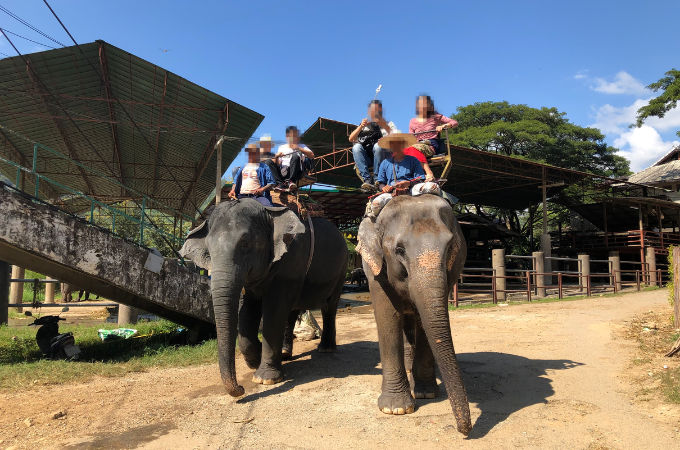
(415, 252)
(239, 244)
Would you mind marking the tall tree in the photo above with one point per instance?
(659, 106)
(543, 135)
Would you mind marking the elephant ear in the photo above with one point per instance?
(369, 246)
(194, 246)
(286, 226)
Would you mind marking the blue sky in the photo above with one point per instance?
(294, 61)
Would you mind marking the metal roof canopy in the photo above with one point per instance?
(180, 120)
(476, 176)
(623, 212)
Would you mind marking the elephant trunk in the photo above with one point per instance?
(432, 303)
(226, 290)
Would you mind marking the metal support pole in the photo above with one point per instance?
(498, 263)
(651, 266)
(16, 293)
(4, 292)
(540, 270)
(642, 234)
(218, 176)
(544, 189)
(585, 270)
(455, 294)
(589, 289)
(528, 274)
(637, 279)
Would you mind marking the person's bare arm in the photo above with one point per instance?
(382, 123)
(429, 176)
(355, 134)
(305, 151)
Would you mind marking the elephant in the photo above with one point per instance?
(358, 276)
(413, 253)
(266, 250)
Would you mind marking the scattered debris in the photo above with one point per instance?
(28, 422)
(248, 420)
(58, 414)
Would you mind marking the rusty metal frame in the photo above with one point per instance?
(221, 127)
(33, 75)
(112, 114)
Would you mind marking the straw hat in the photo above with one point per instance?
(406, 139)
(264, 139)
(252, 148)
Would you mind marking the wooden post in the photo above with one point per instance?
(676, 285)
(4, 292)
(658, 216)
(16, 293)
(539, 258)
(544, 189)
(585, 270)
(49, 291)
(616, 267)
(642, 235)
(498, 263)
(606, 236)
(651, 266)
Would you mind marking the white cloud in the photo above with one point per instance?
(624, 83)
(581, 75)
(642, 146)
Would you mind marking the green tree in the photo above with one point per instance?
(544, 135)
(659, 106)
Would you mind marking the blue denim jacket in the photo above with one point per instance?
(264, 176)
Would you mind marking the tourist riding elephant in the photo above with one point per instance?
(267, 251)
(413, 253)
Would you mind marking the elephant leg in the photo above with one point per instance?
(287, 351)
(274, 319)
(424, 365)
(396, 395)
(409, 341)
(249, 317)
(328, 313)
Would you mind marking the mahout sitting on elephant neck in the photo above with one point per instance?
(412, 254)
(266, 251)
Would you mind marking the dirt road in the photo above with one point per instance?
(537, 376)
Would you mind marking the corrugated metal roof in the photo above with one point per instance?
(476, 176)
(663, 173)
(179, 120)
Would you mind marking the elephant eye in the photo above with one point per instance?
(245, 246)
(400, 250)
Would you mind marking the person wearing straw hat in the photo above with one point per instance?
(400, 174)
(254, 180)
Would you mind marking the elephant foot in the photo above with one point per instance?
(396, 403)
(252, 361)
(326, 348)
(423, 390)
(267, 376)
(286, 355)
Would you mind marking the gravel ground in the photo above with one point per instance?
(553, 375)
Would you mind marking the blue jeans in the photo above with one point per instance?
(363, 156)
(264, 201)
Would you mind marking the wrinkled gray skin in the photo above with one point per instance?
(266, 251)
(412, 254)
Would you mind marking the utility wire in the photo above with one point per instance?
(39, 43)
(126, 112)
(92, 146)
(22, 21)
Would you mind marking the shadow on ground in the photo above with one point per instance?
(502, 384)
(499, 383)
